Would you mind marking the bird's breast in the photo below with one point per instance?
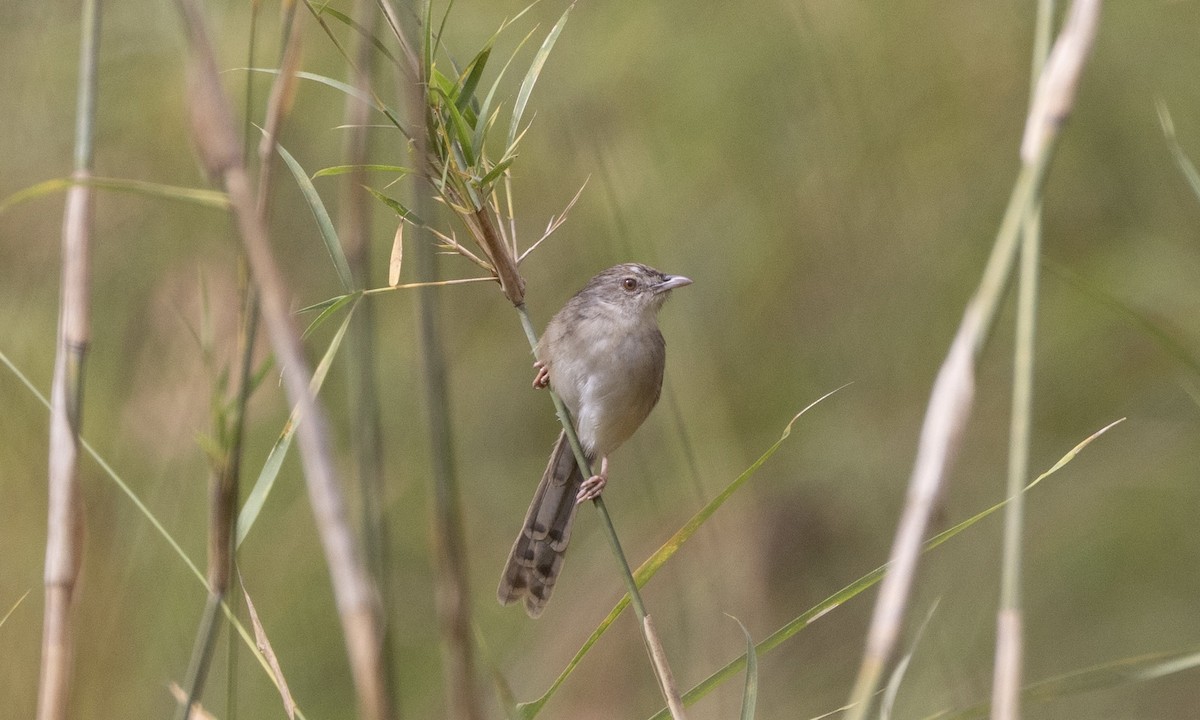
(609, 380)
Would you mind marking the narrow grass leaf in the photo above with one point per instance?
(750, 692)
(344, 87)
(887, 705)
(13, 609)
(858, 586)
(346, 169)
(270, 471)
(1168, 340)
(462, 129)
(264, 646)
(1181, 158)
(196, 196)
(657, 560)
(323, 304)
(396, 206)
(485, 110)
(471, 76)
(531, 77)
(1119, 673)
(496, 172)
(437, 39)
(324, 223)
(328, 312)
(349, 22)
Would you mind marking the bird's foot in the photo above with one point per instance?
(593, 486)
(542, 379)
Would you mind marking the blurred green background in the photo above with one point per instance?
(831, 175)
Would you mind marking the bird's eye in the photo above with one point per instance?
(630, 284)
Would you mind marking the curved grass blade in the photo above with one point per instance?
(485, 111)
(658, 559)
(350, 23)
(888, 703)
(14, 607)
(396, 206)
(750, 692)
(1141, 668)
(462, 129)
(346, 88)
(197, 196)
(471, 77)
(324, 223)
(270, 471)
(329, 308)
(850, 591)
(531, 77)
(1181, 158)
(346, 169)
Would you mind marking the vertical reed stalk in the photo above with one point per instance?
(1006, 686)
(64, 526)
(363, 389)
(219, 147)
(452, 595)
(953, 391)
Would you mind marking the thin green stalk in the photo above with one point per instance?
(1006, 685)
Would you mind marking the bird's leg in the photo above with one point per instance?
(593, 486)
(542, 379)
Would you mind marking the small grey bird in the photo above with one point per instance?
(604, 356)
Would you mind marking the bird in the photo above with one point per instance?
(604, 356)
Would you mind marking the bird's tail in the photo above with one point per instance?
(537, 555)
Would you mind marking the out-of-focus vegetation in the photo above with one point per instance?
(830, 174)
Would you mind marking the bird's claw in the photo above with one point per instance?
(591, 488)
(542, 379)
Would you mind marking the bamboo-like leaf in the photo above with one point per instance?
(197, 196)
(485, 111)
(531, 77)
(496, 172)
(328, 312)
(346, 169)
(324, 223)
(462, 130)
(270, 471)
(866, 581)
(470, 78)
(346, 88)
(396, 206)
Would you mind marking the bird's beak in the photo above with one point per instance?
(670, 283)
